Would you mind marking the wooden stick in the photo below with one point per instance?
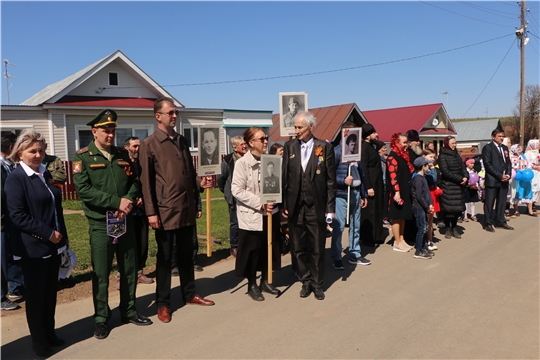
(269, 247)
(208, 224)
(348, 197)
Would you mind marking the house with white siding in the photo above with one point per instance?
(61, 111)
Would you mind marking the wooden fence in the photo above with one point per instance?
(69, 192)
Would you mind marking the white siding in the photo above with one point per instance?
(60, 146)
(39, 120)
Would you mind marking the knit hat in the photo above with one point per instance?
(367, 129)
(412, 135)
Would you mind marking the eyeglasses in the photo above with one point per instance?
(170, 113)
(263, 139)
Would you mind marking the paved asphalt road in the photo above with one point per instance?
(477, 298)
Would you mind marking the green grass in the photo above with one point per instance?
(77, 228)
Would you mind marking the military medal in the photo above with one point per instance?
(318, 172)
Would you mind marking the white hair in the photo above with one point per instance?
(308, 117)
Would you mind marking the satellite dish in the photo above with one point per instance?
(435, 122)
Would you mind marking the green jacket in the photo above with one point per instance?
(56, 168)
(100, 183)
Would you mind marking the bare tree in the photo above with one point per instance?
(531, 115)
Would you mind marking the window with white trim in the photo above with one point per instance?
(191, 134)
(84, 136)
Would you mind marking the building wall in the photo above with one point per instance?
(190, 118)
(20, 119)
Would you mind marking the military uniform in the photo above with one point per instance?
(56, 168)
(271, 185)
(101, 184)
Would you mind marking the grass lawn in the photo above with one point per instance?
(77, 227)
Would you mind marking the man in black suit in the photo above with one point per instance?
(308, 199)
(498, 169)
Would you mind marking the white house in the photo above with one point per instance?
(61, 110)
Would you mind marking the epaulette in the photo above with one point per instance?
(83, 150)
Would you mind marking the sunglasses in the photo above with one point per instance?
(263, 139)
(170, 113)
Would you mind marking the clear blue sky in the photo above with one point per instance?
(178, 43)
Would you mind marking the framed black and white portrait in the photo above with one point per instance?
(351, 145)
(209, 162)
(270, 179)
(290, 104)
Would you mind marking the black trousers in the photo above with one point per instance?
(309, 240)
(165, 240)
(494, 205)
(141, 235)
(41, 281)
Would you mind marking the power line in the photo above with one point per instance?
(468, 17)
(491, 78)
(321, 72)
(488, 10)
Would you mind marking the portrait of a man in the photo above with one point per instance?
(209, 143)
(271, 182)
(288, 118)
(290, 104)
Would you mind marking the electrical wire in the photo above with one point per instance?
(491, 78)
(321, 72)
(455, 13)
(488, 10)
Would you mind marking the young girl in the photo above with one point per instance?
(435, 192)
(471, 194)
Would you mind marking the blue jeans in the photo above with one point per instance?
(12, 277)
(339, 224)
(422, 225)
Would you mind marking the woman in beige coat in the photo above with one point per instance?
(252, 228)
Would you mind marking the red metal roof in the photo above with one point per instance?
(329, 120)
(105, 102)
(389, 121)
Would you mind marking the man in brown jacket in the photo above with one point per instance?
(169, 190)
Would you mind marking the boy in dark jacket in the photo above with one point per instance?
(421, 205)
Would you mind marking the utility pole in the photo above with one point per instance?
(7, 76)
(521, 34)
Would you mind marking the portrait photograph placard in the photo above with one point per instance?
(351, 145)
(209, 161)
(270, 179)
(290, 103)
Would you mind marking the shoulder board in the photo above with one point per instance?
(83, 150)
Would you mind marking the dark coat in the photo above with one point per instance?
(495, 165)
(453, 170)
(342, 171)
(32, 214)
(324, 194)
(224, 180)
(168, 180)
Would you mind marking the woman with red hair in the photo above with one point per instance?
(398, 175)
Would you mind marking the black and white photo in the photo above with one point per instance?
(290, 104)
(270, 178)
(209, 160)
(351, 144)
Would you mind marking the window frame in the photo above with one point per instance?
(78, 128)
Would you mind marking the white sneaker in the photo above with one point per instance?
(402, 247)
(431, 246)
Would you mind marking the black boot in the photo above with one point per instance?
(254, 291)
(448, 233)
(455, 233)
(269, 288)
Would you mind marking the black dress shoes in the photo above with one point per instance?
(101, 331)
(489, 228)
(319, 293)
(504, 226)
(137, 319)
(306, 290)
(42, 350)
(255, 292)
(269, 288)
(56, 341)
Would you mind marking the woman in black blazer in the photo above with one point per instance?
(38, 235)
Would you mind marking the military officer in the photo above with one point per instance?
(104, 180)
(271, 182)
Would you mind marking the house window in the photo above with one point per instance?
(113, 79)
(191, 134)
(122, 133)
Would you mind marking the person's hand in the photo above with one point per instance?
(56, 237)
(207, 182)
(119, 215)
(285, 213)
(154, 222)
(126, 206)
(268, 207)
(364, 203)
(464, 181)
(348, 180)
(397, 197)
(371, 192)
(505, 178)
(431, 209)
(139, 203)
(199, 214)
